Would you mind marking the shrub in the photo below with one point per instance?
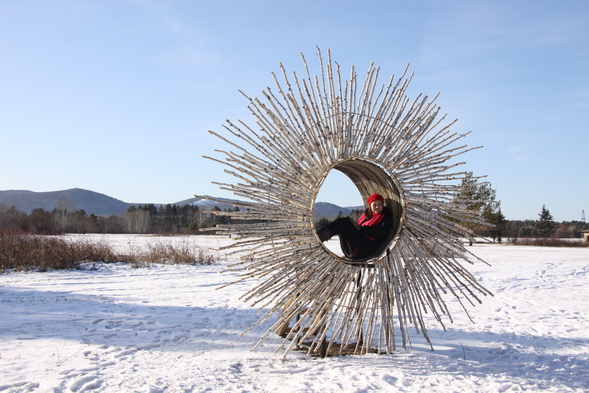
(20, 251)
(550, 242)
(173, 253)
(31, 252)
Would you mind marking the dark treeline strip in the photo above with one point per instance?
(188, 219)
(534, 228)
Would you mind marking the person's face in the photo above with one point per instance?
(376, 207)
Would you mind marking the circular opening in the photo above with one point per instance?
(370, 178)
(337, 196)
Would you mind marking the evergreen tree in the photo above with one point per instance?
(546, 225)
(478, 198)
(321, 223)
(498, 221)
(170, 218)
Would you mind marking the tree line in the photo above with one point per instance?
(475, 196)
(142, 219)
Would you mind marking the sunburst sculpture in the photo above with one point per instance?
(385, 144)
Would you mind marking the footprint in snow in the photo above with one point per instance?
(85, 383)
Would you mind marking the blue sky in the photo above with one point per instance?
(118, 96)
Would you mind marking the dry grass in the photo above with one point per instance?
(25, 252)
(550, 242)
(173, 253)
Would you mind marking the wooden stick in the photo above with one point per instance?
(304, 129)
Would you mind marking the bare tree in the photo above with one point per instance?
(64, 213)
(136, 220)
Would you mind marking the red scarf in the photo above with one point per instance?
(374, 221)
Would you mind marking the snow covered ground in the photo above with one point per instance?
(166, 329)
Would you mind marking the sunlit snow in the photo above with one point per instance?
(115, 328)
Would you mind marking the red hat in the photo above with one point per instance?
(375, 197)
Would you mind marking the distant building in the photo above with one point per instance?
(585, 236)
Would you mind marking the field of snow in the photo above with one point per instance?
(114, 328)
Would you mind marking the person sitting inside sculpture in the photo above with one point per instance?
(363, 239)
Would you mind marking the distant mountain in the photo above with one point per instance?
(103, 205)
(207, 204)
(328, 210)
(322, 209)
(76, 198)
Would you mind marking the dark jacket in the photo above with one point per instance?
(376, 235)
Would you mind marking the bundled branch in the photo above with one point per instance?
(385, 143)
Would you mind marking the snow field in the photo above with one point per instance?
(167, 329)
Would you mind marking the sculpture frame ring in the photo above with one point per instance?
(369, 178)
(384, 143)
